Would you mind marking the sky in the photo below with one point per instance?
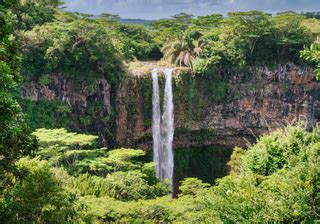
(157, 9)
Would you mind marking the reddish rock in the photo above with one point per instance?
(268, 101)
(261, 106)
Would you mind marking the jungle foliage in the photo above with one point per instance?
(69, 180)
(84, 48)
(15, 138)
(240, 40)
(57, 176)
(312, 55)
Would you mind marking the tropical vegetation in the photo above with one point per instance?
(53, 174)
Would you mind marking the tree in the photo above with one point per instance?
(185, 49)
(247, 28)
(110, 17)
(15, 137)
(311, 15)
(183, 18)
(168, 29)
(312, 55)
(80, 48)
(63, 139)
(207, 22)
(191, 186)
(289, 35)
(35, 12)
(38, 197)
(137, 42)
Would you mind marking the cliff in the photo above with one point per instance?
(64, 103)
(207, 111)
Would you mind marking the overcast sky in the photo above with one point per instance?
(156, 9)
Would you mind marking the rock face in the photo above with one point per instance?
(79, 98)
(249, 108)
(205, 113)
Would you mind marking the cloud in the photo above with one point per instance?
(273, 5)
(154, 9)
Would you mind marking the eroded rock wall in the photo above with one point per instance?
(90, 105)
(249, 108)
(206, 112)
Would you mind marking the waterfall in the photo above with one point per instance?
(156, 121)
(163, 129)
(168, 129)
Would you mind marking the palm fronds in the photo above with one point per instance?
(184, 50)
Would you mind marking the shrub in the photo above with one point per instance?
(37, 196)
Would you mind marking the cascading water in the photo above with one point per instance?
(163, 129)
(156, 121)
(168, 129)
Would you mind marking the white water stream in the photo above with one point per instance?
(163, 128)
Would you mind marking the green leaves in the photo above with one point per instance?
(35, 12)
(80, 48)
(9, 63)
(243, 39)
(312, 54)
(62, 138)
(191, 186)
(38, 195)
(277, 182)
(116, 173)
(184, 50)
(15, 138)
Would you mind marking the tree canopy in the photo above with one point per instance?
(15, 138)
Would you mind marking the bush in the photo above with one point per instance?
(190, 186)
(272, 152)
(79, 48)
(277, 181)
(38, 197)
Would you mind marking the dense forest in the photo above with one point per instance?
(51, 173)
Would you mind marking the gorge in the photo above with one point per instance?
(246, 109)
(189, 119)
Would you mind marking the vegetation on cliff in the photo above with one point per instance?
(240, 40)
(312, 55)
(73, 45)
(84, 48)
(80, 46)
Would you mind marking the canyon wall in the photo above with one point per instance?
(64, 103)
(229, 113)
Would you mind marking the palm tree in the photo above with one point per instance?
(184, 50)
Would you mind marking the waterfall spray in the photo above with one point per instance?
(163, 129)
